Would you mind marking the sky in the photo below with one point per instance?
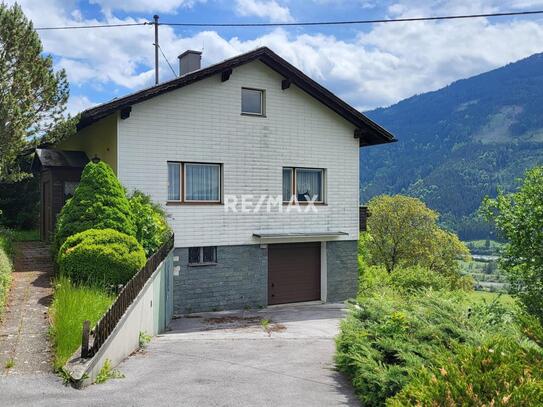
(367, 65)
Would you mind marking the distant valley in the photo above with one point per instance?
(460, 143)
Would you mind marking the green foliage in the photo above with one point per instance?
(144, 339)
(458, 143)
(107, 372)
(19, 201)
(152, 230)
(6, 265)
(34, 96)
(389, 336)
(392, 335)
(498, 372)
(72, 305)
(403, 232)
(99, 202)
(102, 257)
(519, 218)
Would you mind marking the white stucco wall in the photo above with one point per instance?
(202, 122)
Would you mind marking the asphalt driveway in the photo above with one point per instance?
(279, 356)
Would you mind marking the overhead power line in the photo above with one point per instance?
(352, 22)
(76, 27)
(300, 24)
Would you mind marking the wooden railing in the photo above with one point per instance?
(129, 292)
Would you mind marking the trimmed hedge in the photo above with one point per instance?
(99, 202)
(100, 257)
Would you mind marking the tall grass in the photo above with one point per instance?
(71, 306)
(6, 266)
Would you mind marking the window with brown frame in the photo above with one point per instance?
(303, 184)
(194, 182)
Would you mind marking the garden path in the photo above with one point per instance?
(24, 344)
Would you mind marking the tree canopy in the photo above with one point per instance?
(404, 232)
(519, 218)
(33, 95)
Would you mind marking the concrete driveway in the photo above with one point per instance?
(279, 356)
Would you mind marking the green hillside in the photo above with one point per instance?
(459, 143)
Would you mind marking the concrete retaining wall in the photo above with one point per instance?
(150, 313)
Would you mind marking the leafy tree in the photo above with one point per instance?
(32, 95)
(99, 202)
(152, 230)
(519, 217)
(404, 232)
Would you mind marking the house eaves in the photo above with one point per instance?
(367, 131)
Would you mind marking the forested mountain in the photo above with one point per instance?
(459, 143)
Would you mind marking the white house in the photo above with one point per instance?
(234, 152)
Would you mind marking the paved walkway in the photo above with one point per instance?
(24, 329)
(216, 359)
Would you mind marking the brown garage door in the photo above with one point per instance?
(294, 272)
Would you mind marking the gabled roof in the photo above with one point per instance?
(367, 131)
(46, 157)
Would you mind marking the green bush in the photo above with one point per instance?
(499, 372)
(389, 336)
(71, 306)
(99, 202)
(100, 257)
(152, 230)
(410, 279)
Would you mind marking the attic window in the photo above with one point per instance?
(252, 101)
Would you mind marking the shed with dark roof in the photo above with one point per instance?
(60, 172)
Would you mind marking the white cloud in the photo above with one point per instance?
(166, 6)
(268, 9)
(374, 68)
(77, 104)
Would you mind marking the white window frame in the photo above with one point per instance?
(262, 99)
(201, 257)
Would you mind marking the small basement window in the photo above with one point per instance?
(252, 101)
(199, 256)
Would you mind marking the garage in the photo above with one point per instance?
(294, 272)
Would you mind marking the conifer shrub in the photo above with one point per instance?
(152, 229)
(499, 372)
(99, 202)
(388, 336)
(100, 257)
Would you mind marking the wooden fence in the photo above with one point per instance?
(129, 292)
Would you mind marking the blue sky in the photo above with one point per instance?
(368, 66)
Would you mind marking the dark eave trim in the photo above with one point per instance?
(373, 133)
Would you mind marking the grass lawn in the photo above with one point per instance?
(6, 265)
(476, 297)
(71, 306)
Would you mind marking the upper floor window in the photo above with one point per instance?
(252, 101)
(194, 182)
(306, 184)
